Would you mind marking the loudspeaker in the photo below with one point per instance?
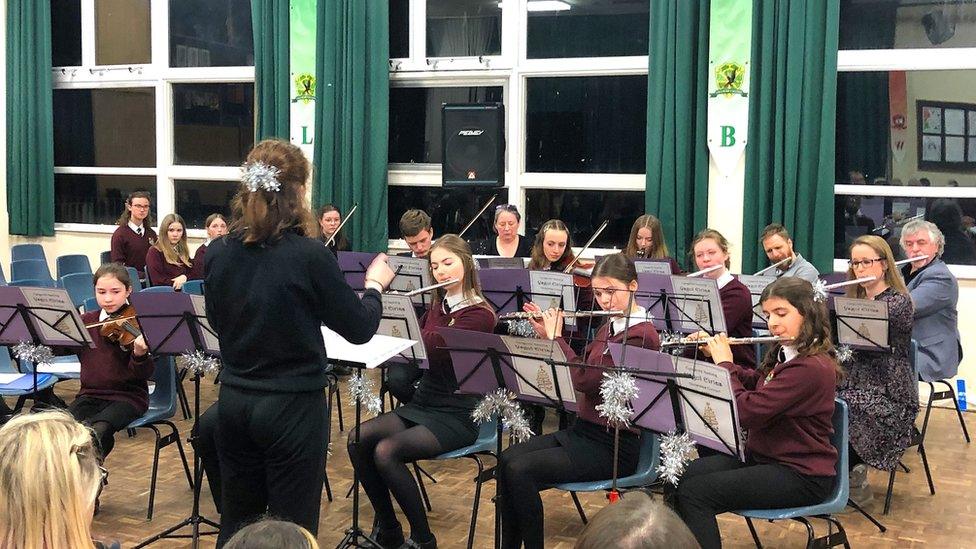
(474, 144)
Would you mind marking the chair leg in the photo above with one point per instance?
(184, 401)
(881, 527)
(328, 487)
(477, 499)
(579, 507)
(752, 530)
(338, 400)
(811, 541)
(925, 465)
(420, 483)
(840, 538)
(955, 402)
(179, 446)
(891, 487)
(928, 408)
(155, 470)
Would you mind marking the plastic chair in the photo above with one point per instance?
(91, 305)
(34, 283)
(79, 287)
(917, 439)
(193, 287)
(19, 252)
(105, 257)
(835, 503)
(7, 366)
(644, 474)
(70, 264)
(158, 289)
(935, 396)
(30, 269)
(162, 407)
(134, 278)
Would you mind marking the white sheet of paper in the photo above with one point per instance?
(549, 288)
(56, 298)
(538, 372)
(200, 308)
(655, 267)
(712, 388)
(872, 322)
(10, 378)
(706, 299)
(413, 273)
(376, 351)
(60, 367)
(400, 321)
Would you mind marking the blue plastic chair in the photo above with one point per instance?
(79, 287)
(30, 269)
(7, 366)
(193, 287)
(644, 474)
(105, 257)
(27, 251)
(134, 278)
(162, 408)
(71, 264)
(158, 289)
(34, 283)
(91, 305)
(835, 503)
(3, 277)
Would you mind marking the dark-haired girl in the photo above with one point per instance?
(552, 250)
(216, 226)
(329, 219)
(134, 236)
(647, 241)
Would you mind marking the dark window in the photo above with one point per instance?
(65, 33)
(589, 124)
(449, 209)
(213, 123)
(196, 200)
(463, 28)
(591, 28)
(111, 127)
(415, 119)
(884, 216)
(584, 212)
(204, 33)
(399, 28)
(97, 199)
(123, 32)
(886, 24)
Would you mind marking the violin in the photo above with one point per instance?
(578, 267)
(121, 327)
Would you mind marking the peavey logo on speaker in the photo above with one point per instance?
(471, 133)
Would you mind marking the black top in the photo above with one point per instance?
(267, 304)
(488, 246)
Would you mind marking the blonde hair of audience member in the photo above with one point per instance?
(658, 248)
(173, 253)
(49, 480)
(892, 276)
(636, 522)
(270, 533)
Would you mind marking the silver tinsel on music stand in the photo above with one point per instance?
(617, 389)
(521, 328)
(363, 390)
(844, 354)
(38, 354)
(502, 404)
(201, 363)
(676, 452)
(820, 291)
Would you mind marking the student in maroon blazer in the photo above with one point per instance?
(135, 236)
(168, 262)
(435, 420)
(786, 405)
(113, 379)
(216, 226)
(583, 452)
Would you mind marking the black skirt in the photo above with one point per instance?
(451, 423)
(591, 449)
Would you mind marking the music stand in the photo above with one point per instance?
(756, 285)
(498, 262)
(679, 304)
(175, 323)
(353, 266)
(411, 273)
(505, 289)
(861, 324)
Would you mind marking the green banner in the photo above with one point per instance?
(302, 58)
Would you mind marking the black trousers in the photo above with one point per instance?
(720, 483)
(272, 449)
(205, 446)
(105, 417)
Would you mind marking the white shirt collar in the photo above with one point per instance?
(207, 242)
(638, 316)
(102, 315)
(135, 228)
(724, 279)
(459, 301)
(789, 352)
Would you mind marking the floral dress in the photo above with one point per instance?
(881, 390)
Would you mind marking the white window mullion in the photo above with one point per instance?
(165, 195)
(514, 146)
(159, 21)
(87, 34)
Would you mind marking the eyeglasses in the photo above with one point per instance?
(139, 206)
(866, 263)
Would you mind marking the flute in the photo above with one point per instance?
(689, 342)
(850, 282)
(706, 271)
(910, 260)
(419, 291)
(774, 265)
(567, 314)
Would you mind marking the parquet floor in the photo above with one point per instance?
(945, 520)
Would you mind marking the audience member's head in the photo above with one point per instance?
(270, 533)
(636, 522)
(50, 478)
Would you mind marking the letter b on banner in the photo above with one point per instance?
(728, 136)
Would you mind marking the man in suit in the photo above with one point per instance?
(935, 293)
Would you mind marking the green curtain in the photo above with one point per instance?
(352, 99)
(269, 18)
(30, 126)
(677, 113)
(864, 138)
(790, 156)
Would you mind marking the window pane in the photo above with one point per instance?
(97, 199)
(589, 124)
(112, 127)
(584, 211)
(415, 119)
(450, 209)
(463, 28)
(65, 33)
(884, 216)
(213, 123)
(399, 28)
(886, 24)
(122, 32)
(204, 33)
(597, 29)
(196, 200)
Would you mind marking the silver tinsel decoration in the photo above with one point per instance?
(617, 390)
(502, 403)
(820, 291)
(362, 389)
(676, 452)
(521, 328)
(201, 363)
(38, 354)
(671, 337)
(260, 176)
(844, 354)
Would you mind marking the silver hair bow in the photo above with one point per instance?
(260, 176)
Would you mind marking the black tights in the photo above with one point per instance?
(386, 445)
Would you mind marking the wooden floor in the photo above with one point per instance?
(944, 520)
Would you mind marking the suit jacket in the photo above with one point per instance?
(935, 293)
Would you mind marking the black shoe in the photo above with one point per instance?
(388, 538)
(413, 544)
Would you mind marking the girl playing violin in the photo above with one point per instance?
(113, 378)
(552, 250)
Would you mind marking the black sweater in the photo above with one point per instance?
(267, 304)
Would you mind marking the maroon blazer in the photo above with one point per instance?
(162, 273)
(109, 372)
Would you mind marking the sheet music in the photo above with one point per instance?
(400, 320)
(210, 340)
(652, 266)
(6, 379)
(412, 273)
(705, 309)
(868, 317)
(549, 288)
(61, 365)
(371, 354)
(67, 328)
(537, 371)
(756, 285)
(709, 399)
